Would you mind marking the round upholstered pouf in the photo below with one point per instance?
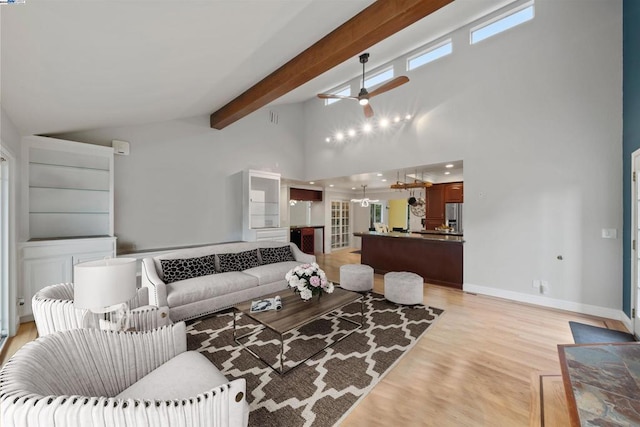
(403, 287)
(356, 277)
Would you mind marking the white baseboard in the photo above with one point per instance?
(592, 310)
(26, 318)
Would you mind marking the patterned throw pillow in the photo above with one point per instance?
(239, 261)
(273, 255)
(174, 270)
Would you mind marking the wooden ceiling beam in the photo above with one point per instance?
(372, 25)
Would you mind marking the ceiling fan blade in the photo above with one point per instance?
(331, 95)
(398, 81)
(368, 111)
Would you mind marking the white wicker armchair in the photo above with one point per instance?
(53, 310)
(73, 378)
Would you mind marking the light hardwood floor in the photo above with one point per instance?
(479, 365)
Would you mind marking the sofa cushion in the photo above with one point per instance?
(180, 269)
(205, 287)
(238, 261)
(270, 273)
(273, 255)
(186, 375)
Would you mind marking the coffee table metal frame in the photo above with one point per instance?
(263, 326)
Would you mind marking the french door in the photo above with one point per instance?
(340, 213)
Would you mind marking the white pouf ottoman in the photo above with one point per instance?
(403, 287)
(356, 277)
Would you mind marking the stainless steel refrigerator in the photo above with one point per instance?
(453, 216)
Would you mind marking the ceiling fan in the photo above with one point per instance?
(364, 202)
(364, 96)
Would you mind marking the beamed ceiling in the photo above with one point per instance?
(71, 65)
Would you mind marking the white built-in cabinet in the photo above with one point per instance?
(67, 197)
(261, 207)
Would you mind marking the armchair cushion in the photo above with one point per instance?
(238, 261)
(186, 375)
(175, 270)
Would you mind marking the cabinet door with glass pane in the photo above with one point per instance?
(340, 224)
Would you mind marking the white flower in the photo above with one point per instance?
(299, 279)
(306, 294)
(293, 281)
(329, 289)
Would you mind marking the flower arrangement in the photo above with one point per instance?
(308, 280)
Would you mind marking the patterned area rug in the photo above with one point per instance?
(322, 390)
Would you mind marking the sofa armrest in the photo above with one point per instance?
(151, 280)
(301, 256)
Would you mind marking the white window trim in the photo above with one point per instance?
(427, 51)
(377, 73)
(498, 18)
(345, 88)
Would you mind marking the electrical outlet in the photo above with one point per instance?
(545, 288)
(535, 284)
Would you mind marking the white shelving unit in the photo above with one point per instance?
(261, 207)
(70, 189)
(67, 195)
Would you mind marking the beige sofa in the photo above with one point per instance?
(194, 282)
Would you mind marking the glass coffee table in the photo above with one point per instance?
(294, 314)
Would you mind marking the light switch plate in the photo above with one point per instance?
(609, 233)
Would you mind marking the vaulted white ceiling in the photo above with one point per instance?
(78, 65)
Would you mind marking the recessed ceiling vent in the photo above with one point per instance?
(273, 117)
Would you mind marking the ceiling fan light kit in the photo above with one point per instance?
(364, 95)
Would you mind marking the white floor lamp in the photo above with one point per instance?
(104, 287)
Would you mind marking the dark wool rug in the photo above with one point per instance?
(322, 390)
(587, 334)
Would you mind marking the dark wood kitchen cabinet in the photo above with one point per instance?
(453, 192)
(435, 207)
(303, 194)
(304, 238)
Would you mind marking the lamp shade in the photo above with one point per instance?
(104, 283)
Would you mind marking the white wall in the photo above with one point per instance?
(300, 214)
(9, 133)
(535, 114)
(181, 184)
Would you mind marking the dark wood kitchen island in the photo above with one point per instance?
(437, 258)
